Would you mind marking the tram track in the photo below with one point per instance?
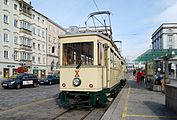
(59, 115)
(87, 114)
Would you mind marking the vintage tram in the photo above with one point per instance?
(91, 68)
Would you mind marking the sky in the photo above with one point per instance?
(133, 21)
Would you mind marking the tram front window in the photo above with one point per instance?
(75, 53)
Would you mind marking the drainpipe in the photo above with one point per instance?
(46, 50)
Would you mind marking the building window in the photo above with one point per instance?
(170, 30)
(170, 38)
(42, 47)
(49, 50)
(38, 19)
(6, 37)
(15, 55)
(170, 46)
(39, 32)
(33, 59)
(5, 2)
(25, 41)
(39, 46)
(25, 25)
(43, 34)
(33, 16)
(6, 19)
(34, 45)
(42, 21)
(15, 6)
(6, 54)
(34, 30)
(15, 23)
(43, 60)
(15, 40)
(53, 49)
(39, 60)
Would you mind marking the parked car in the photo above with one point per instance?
(50, 79)
(20, 80)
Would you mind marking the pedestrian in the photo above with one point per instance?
(158, 79)
(142, 76)
(134, 72)
(138, 77)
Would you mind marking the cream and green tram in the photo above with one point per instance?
(91, 67)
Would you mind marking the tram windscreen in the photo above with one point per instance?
(75, 53)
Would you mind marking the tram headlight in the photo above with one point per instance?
(76, 81)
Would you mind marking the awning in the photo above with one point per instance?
(152, 54)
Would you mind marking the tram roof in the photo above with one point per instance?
(85, 34)
(152, 54)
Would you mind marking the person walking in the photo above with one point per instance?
(142, 76)
(134, 72)
(138, 77)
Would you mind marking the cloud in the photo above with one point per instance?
(168, 15)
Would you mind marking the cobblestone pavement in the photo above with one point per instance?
(38, 103)
(29, 103)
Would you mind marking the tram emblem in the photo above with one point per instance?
(77, 73)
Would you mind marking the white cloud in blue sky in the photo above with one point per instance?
(133, 21)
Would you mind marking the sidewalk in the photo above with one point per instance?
(138, 103)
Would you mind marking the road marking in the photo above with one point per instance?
(150, 116)
(124, 114)
(26, 105)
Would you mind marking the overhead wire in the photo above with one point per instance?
(97, 8)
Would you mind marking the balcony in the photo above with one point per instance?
(25, 8)
(26, 14)
(23, 30)
(26, 47)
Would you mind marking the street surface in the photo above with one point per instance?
(29, 103)
(39, 103)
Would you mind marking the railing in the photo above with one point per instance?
(26, 31)
(26, 47)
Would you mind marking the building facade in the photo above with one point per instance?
(54, 31)
(39, 26)
(24, 34)
(9, 34)
(165, 37)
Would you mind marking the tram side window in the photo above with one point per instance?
(100, 54)
(115, 60)
(74, 53)
(112, 58)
